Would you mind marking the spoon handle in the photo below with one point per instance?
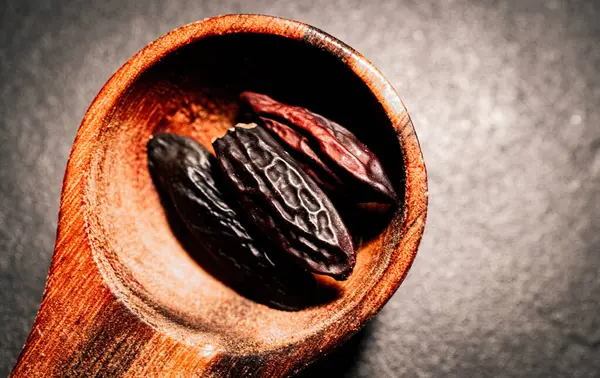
(81, 329)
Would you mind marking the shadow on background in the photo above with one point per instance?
(342, 360)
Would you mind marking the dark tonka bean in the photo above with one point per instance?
(186, 171)
(307, 133)
(284, 203)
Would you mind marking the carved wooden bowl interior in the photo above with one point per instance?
(188, 83)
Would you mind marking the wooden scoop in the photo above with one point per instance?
(124, 297)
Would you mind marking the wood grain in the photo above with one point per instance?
(124, 297)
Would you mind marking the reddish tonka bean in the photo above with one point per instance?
(308, 159)
(363, 173)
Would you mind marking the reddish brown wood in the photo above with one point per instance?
(123, 297)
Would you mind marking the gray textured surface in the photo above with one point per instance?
(504, 96)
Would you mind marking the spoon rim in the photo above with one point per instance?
(409, 233)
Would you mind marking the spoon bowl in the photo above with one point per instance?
(124, 295)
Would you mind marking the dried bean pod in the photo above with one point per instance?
(337, 145)
(284, 202)
(308, 159)
(185, 170)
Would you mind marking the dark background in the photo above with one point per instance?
(504, 96)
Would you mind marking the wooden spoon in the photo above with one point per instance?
(124, 297)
